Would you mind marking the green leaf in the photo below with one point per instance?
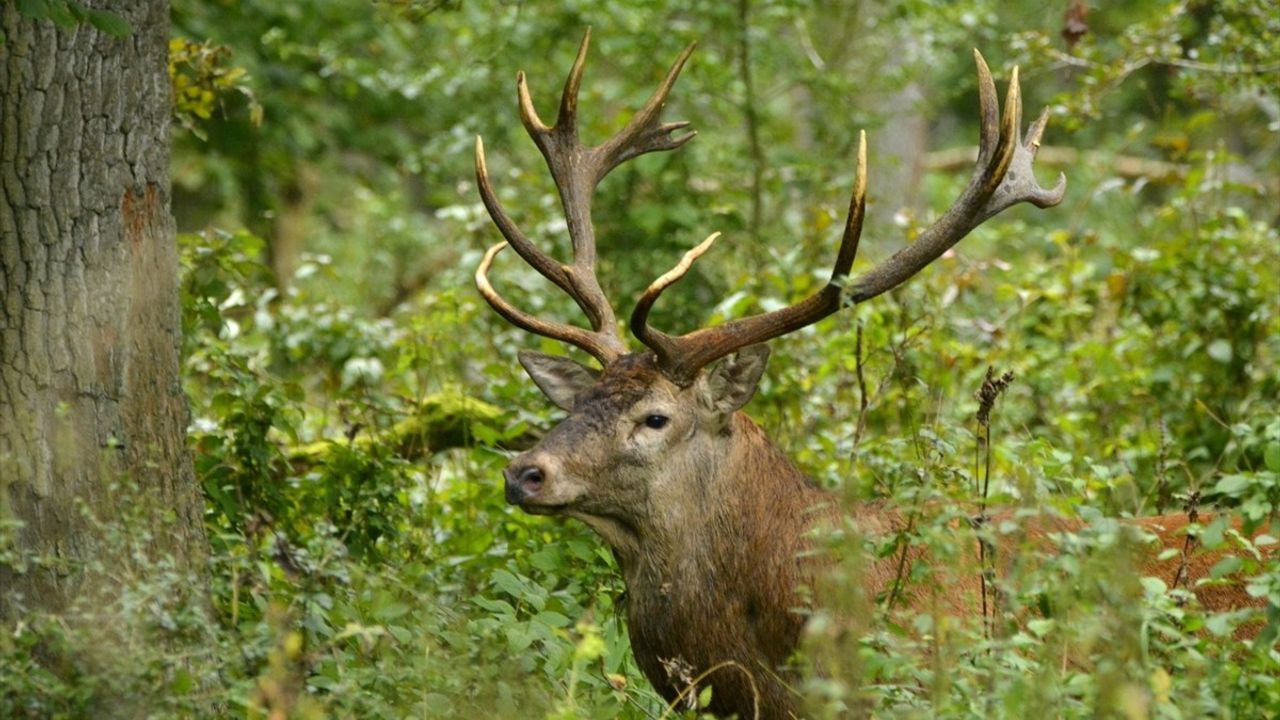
(1225, 567)
(704, 697)
(77, 10)
(1272, 457)
(519, 637)
(1041, 626)
(110, 23)
(321, 682)
(1219, 624)
(437, 704)
(182, 683)
(547, 559)
(508, 583)
(35, 9)
(61, 14)
(1153, 586)
(1220, 350)
(1213, 532)
(498, 607)
(401, 634)
(390, 611)
(550, 618)
(1233, 484)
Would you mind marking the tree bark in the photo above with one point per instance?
(92, 415)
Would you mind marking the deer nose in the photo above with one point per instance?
(523, 482)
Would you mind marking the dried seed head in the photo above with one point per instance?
(986, 396)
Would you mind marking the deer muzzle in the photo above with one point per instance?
(524, 481)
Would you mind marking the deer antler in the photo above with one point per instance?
(1003, 177)
(576, 170)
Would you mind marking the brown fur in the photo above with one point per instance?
(731, 595)
(961, 592)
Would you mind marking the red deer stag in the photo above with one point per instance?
(706, 516)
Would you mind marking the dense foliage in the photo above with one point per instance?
(353, 400)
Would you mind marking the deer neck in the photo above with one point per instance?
(736, 508)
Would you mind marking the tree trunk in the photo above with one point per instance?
(92, 415)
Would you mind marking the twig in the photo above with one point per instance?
(1162, 465)
(901, 570)
(986, 396)
(863, 400)
(1182, 576)
(692, 684)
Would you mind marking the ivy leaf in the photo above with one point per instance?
(110, 23)
(61, 14)
(36, 9)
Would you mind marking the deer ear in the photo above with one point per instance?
(732, 382)
(559, 378)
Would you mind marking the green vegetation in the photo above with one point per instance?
(353, 399)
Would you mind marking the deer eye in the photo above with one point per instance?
(656, 421)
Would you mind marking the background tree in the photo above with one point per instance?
(92, 415)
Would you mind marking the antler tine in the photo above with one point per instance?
(988, 111)
(567, 120)
(853, 219)
(568, 117)
(598, 345)
(576, 171)
(540, 261)
(643, 133)
(1002, 177)
(663, 344)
